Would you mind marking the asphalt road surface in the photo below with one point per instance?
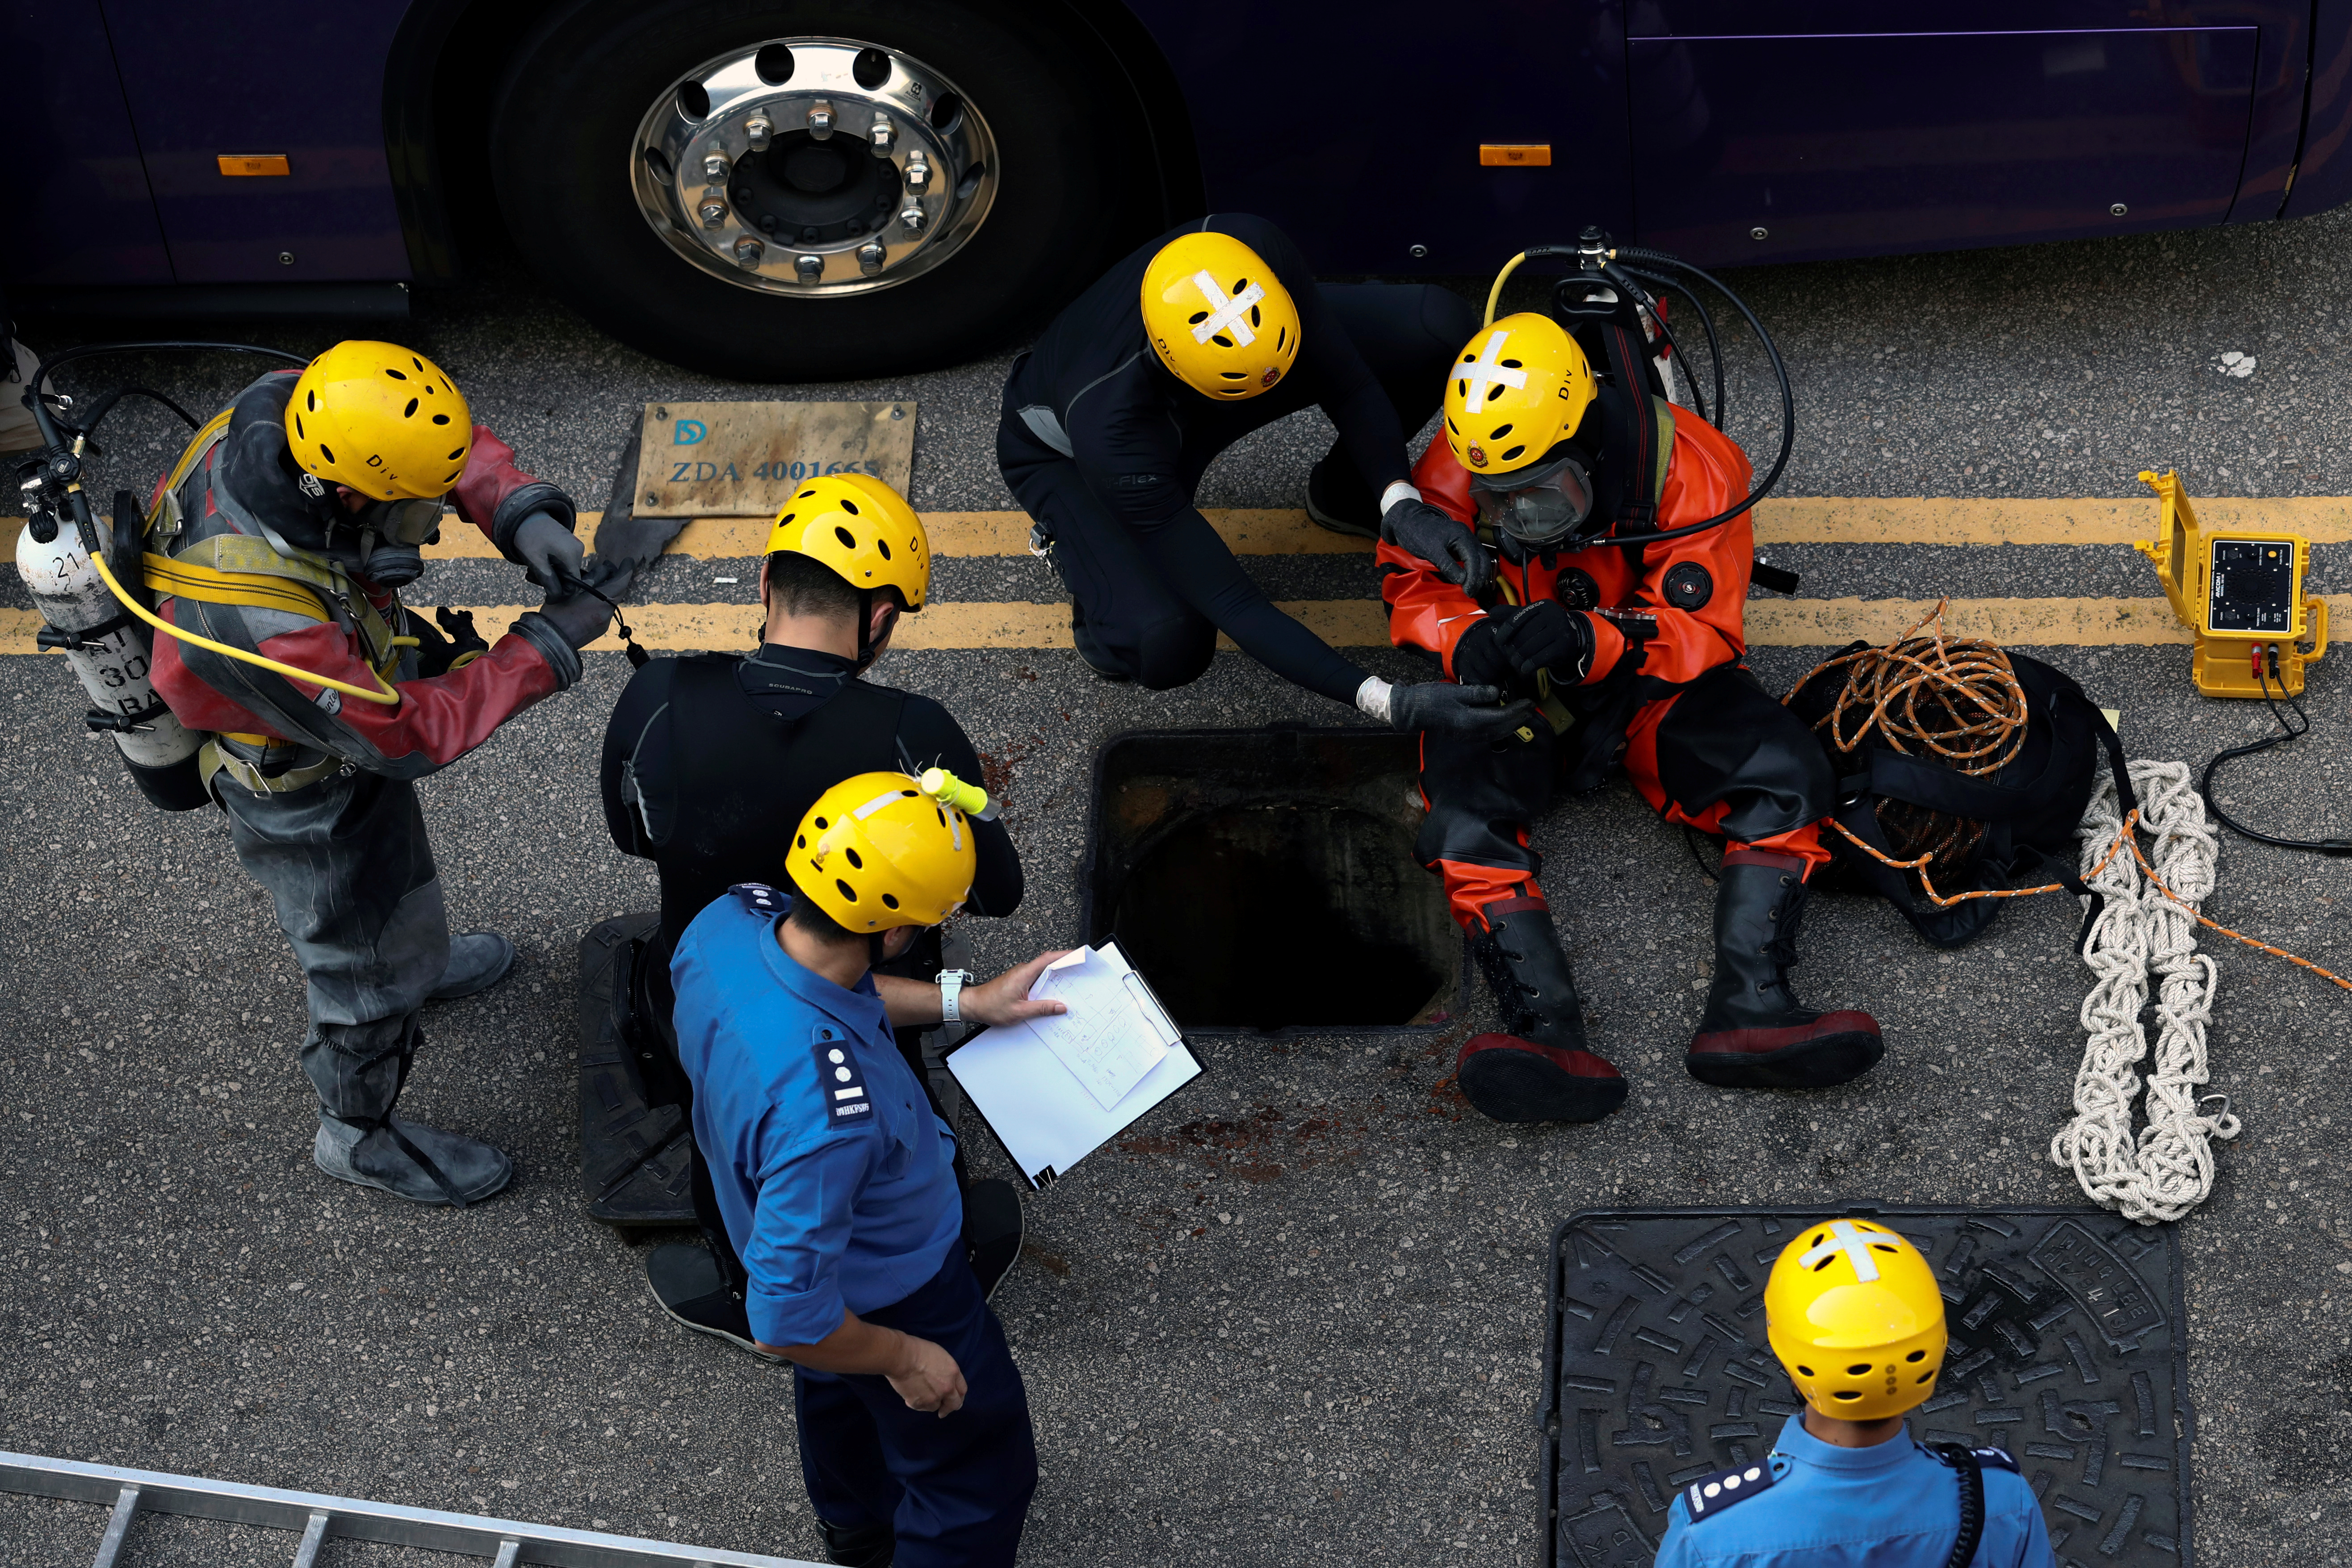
(1296, 1318)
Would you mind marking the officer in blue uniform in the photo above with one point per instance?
(1852, 1312)
(836, 1181)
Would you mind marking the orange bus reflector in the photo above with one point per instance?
(1506, 155)
(239, 165)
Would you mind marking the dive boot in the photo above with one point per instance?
(860, 1546)
(1100, 660)
(690, 1285)
(478, 960)
(1537, 1070)
(991, 1231)
(1755, 1034)
(1338, 498)
(410, 1160)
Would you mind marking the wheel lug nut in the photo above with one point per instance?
(810, 268)
(820, 120)
(713, 214)
(748, 251)
(757, 130)
(882, 135)
(715, 168)
(911, 218)
(870, 257)
(918, 173)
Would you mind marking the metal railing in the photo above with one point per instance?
(317, 1518)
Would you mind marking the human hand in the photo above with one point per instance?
(1449, 708)
(579, 618)
(1546, 635)
(550, 551)
(1478, 658)
(1448, 545)
(1005, 999)
(928, 1378)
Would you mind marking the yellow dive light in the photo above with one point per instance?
(957, 795)
(2240, 591)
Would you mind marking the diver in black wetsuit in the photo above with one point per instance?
(709, 763)
(1189, 345)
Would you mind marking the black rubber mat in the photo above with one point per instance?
(2065, 1351)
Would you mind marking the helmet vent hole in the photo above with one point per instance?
(299, 431)
(1498, 432)
(1235, 374)
(409, 412)
(311, 401)
(805, 495)
(787, 518)
(940, 814)
(1222, 341)
(1857, 1371)
(458, 453)
(1281, 336)
(857, 861)
(775, 64)
(1928, 1376)
(822, 825)
(1511, 365)
(883, 546)
(1514, 455)
(850, 507)
(1847, 1394)
(693, 102)
(1916, 1355)
(417, 363)
(1805, 1371)
(801, 842)
(1196, 318)
(1882, 1247)
(846, 891)
(396, 374)
(1824, 1263)
(889, 900)
(440, 419)
(849, 540)
(872, 68)
(1253, 316)
(326, 451)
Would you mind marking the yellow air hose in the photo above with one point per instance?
(1494, 295)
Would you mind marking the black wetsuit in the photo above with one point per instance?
(1105, 447)
(710, 762)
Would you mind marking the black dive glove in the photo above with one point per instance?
(1452, 710)
(579, 618)
(1448, 545)
(550, 551)
(1479, 658)
(1546, 635)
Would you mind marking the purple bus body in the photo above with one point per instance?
(1832, 127)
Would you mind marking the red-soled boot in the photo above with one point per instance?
(1755, 1034)
(1539, 1069)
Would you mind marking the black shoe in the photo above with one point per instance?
(1755, 1034)
(1100, 660)
(686, 1282)
(1338, 498)
(1539, 1068)
(866, 1546)
(992, 1232)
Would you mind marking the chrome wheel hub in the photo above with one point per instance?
(813, 166)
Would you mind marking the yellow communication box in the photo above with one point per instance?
(2240, 591)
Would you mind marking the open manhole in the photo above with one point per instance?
(2066, 1350)
(1264, 880)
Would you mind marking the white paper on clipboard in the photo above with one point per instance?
(1114, 1033)
(1045, 1116)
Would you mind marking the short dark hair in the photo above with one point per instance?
(805, 914)
(803, 585)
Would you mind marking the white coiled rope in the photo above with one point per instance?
(2168, 1169)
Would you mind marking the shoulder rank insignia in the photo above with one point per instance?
(840, 1083)
(1710, 1495)
(759, 898)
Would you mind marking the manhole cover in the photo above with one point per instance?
(1264, 880)
(2065, 1349)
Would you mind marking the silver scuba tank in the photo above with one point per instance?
(110, 652)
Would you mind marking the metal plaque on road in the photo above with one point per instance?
(744, 460)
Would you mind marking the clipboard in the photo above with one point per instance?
(1042, 1115)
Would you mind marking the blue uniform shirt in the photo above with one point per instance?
(833, 1173)
(1892, 1506)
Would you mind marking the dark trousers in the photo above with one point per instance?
(1720, 755)
(954, 1489)
(1128, 617)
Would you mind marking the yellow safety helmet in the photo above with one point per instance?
(1517, 389)
(1220, 319)
(1852, 1312)
(875, 852)
(861, 527)
(380, 418)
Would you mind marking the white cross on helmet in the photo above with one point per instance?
(1488, 370)
(1854, 1244)
(1225, 315)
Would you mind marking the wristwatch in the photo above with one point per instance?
(951, 985)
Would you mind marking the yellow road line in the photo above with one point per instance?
(1361, 623)
(1824, 519)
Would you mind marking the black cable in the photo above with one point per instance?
(88, 350)
(1658, 314)
(2287, 732)
(88, 424)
